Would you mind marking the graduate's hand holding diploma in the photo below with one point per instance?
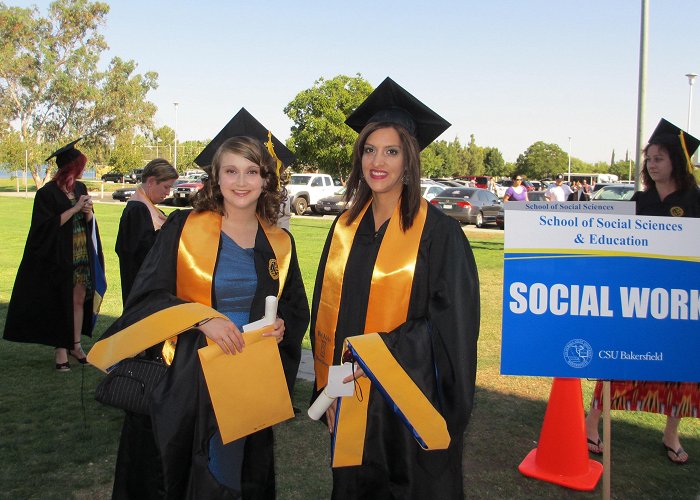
(340, 383)
(330, 412)
(225, 334)
(277, 330)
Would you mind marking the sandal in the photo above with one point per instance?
(595, 448)
(63, 367)
(72, 352)
(677, 453)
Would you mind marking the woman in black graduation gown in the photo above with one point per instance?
(395, 264)
(52, 300)
(138, 472)
(141, 220)
(228, 255)
(670, 190)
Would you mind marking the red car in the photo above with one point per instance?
(183, 192)
(480, 181)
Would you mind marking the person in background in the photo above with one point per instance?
(516, 192)
(558, 192)
(55, 274)
(138, 473)
(393, 263)
(285, 214)
(141, 220)
(226, 254)
(670, 190)
(579, 194)
(586, 187)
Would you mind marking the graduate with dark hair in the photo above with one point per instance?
(398, 278)
(670, 190)
(52, 300)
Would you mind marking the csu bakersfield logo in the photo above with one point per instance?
(578, 353)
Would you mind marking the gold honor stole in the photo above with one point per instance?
(196, 260)
(389, 298)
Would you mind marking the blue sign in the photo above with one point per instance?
(601, 296)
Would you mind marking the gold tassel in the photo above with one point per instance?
(685, 152)
(271, 150)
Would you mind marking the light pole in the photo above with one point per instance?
(691, 80)
(569, 159)
(175, 155)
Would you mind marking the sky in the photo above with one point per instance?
(510, 72)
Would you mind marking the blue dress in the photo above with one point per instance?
(235, 282)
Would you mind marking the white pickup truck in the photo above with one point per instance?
(305, 190)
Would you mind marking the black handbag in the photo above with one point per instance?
(128, 386)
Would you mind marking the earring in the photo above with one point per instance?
(404, 179)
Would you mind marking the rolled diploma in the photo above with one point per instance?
(268, 319)
(322, 403)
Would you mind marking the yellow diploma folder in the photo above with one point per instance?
(248, 389)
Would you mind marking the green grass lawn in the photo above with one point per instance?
(57, 442)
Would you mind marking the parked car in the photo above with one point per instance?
(123, 194)
(469, 205)
(614, 192)
(305, 190)
(134, 177)
(450, 182)
(183, 192)
(332, 204)
(179, 181)
(480, 181)
(501, 187)
(196, 173)
(536, 196)
(430, 191)
(113, 176)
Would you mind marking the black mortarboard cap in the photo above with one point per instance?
(667, 133)
(243, 124)
(66, 154)
(391, 103)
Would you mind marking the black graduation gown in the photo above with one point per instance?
(134, 239)
(440, 336)
(649, 203)
(181, 411)
(138, 472)
(41, 306)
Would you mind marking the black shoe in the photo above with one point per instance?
(72, 352)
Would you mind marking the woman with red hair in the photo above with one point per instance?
(52, 300)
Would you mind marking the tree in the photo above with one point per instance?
(542, 160)
(475, 158)
(127, 153)
(622, 169)
(186, 153)
(319, 137)
(431, 163)
(494, 165)
(51, 90)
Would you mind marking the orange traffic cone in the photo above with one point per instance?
(561, 456)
